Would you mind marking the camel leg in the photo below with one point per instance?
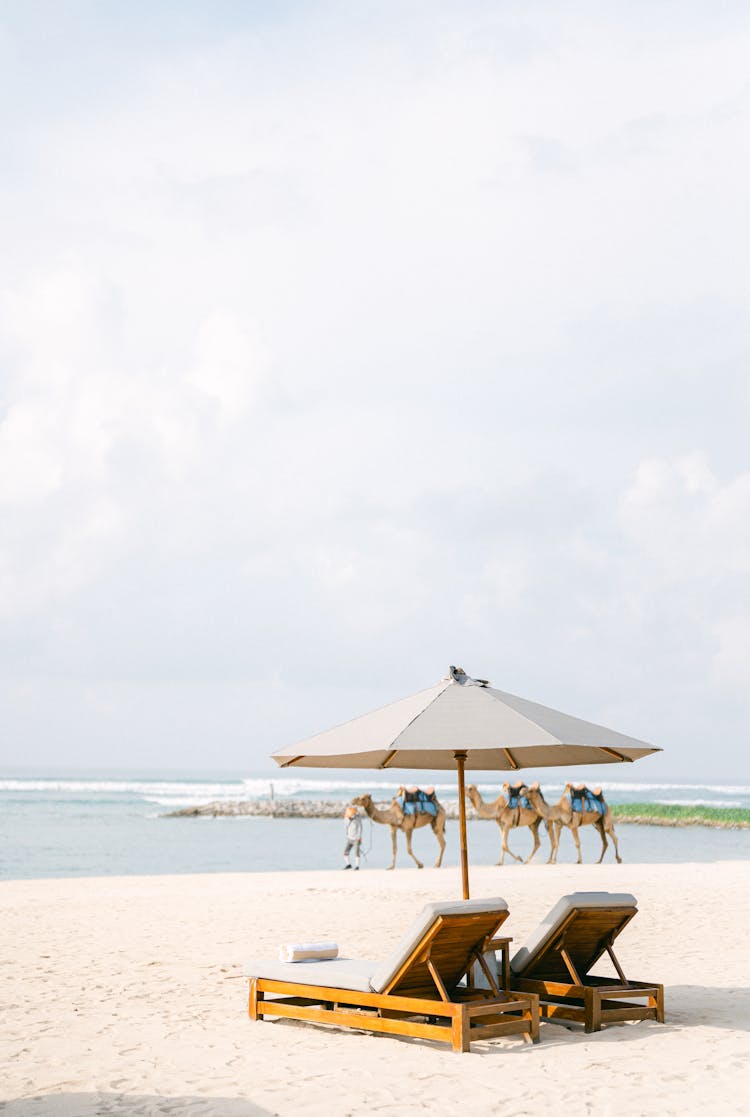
(605, 843)
(438, 832)
(553, 833)
(506, 847)
(502, 845)
(534, 828)
(410, 851)
(577, 840)
(393, 839)
(613, 836)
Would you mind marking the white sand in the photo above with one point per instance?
(125, 996)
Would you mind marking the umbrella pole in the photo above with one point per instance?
(460, 758)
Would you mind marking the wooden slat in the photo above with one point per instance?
(631, 1012)
(351, 1019)
(643, 991)
(546, 988)
(495, 1007)
(321, 993)
(567, 1012)
(492, 1031)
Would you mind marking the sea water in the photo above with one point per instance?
(100, 826)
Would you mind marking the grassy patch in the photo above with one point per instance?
(672, 815)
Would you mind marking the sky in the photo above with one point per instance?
(341, 342)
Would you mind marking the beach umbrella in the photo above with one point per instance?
(463, 723)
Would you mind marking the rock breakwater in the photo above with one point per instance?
(640, 814)
(284, 808)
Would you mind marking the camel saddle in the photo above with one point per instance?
(584, 799)
(515, 800)
(416, 801)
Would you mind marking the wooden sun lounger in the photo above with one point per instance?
(416, 992)
(557, 960)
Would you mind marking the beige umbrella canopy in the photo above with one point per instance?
(463, 723)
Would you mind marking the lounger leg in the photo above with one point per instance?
(534, 1016)
(252, 1004)
(531, 1012)
(592, 1006)
(460, 1028)
(660, 1004)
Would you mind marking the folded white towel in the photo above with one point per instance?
(308, 951)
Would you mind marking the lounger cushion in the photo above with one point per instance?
(364, 976)
(338, 973)
(552, 922)
(429, 913)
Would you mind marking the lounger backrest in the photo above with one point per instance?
(451, 931)
(583, 923)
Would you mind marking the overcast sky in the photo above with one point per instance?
(343, 342)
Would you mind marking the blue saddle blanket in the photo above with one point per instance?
(585, 800)
(514, 800)
(417, 802)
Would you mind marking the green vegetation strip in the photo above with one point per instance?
(669, 814)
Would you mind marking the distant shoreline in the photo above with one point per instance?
(643, 814)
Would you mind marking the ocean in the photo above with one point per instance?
(100, 826)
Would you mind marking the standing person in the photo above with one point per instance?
(353, 836)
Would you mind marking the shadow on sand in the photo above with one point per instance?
(129, 1105)
(687, 1006)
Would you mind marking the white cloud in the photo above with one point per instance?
(230, 361)
(379, 342)
(689, 524)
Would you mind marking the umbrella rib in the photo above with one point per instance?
(511, 760)
(617, 755)
(389, 758)
(288, 763)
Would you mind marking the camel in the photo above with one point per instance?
(394, 817)
(508, 818)
(562, 814)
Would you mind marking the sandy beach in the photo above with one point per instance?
(125, 995)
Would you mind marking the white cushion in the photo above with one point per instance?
(552, 922)
(364, 976)
(338, 973)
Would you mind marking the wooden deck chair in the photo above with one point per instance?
(556, 964)
(415, 992)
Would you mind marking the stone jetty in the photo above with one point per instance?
(643, 814)
(285, 808)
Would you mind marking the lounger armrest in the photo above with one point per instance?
(498, 944)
